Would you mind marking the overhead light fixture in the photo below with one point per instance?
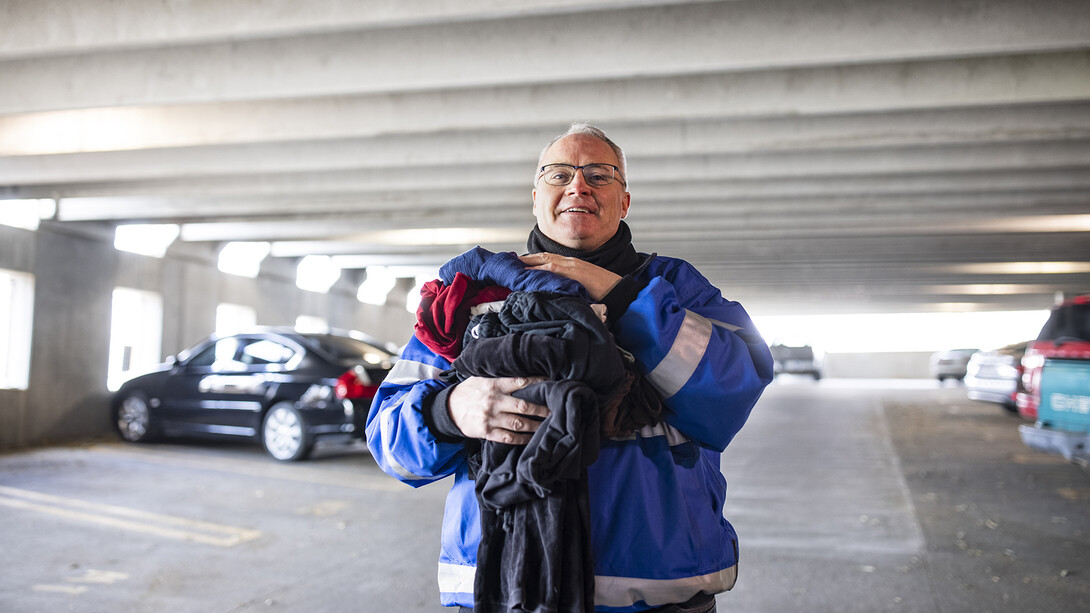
(442, 236)
(374, 289)
(317, 273)
(1020, 268)
(412, 299)
(989, 289)
(145, 239)
(243, 258)
(26, 214)
(73, 131)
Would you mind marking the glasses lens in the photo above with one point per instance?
(557, 174)
(598, 174)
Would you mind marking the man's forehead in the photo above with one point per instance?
(575, 146)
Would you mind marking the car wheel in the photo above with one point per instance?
(284, 433)
(132, 419)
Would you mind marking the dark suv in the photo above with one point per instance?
(1056, 378)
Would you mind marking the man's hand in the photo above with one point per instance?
(484, 408)
(598, 281)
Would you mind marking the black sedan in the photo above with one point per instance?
(276, 385)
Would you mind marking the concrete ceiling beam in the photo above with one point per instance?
(977, 82)
(722, 37)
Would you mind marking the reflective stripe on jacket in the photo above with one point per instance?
(656, 497)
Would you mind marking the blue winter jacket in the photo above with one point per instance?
(656, 498)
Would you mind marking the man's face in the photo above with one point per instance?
(579, 215)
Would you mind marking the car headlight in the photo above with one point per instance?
(317, 393)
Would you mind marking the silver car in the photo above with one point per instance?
(996, 376)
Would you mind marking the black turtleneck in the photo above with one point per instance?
(617, 255)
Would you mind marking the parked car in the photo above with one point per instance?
(1057, 383)
(283, 388)
(795, 359)
(996, 375)
(951, 364)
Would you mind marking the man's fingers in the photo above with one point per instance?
(506, 385)
(523, 407)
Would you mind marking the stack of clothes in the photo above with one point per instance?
(493, 318)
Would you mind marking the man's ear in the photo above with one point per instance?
(625, 203)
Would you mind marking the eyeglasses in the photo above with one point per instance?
(597, 175)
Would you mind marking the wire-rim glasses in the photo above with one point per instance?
(597, 175)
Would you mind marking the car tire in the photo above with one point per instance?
(284, 433)
(133, 420)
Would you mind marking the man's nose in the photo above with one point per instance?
(579, 183)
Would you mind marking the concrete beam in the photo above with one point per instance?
(53, 27)
(469, 207)
(642, 140)
(1046, 78)
(724, 37)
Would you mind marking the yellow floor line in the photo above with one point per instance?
(168, 526)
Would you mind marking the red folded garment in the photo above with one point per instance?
(443, 314)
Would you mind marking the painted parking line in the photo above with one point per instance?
(92, 576)
(266, 469)
(167, 526)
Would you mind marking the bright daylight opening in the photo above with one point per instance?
(317, 273)
(232, 318)
(890, 332)
(146, 239)
(16, 323)
(374, 289)
(243, 258)
(412, 299)
(136, 332)
(311, 323)
(27, 214)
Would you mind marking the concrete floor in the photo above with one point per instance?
(848, 496)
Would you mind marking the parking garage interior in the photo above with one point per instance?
(836, 166)
(810, 160)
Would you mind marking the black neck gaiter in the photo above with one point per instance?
(616, 255)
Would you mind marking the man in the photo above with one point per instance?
(659, 539)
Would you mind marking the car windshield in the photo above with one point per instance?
(1067, 322)
(344, 348)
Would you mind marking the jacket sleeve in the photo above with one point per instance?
(397, 435)
(699, 350)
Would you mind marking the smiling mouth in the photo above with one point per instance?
(577, 210)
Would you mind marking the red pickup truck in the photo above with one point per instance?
(1056, 378)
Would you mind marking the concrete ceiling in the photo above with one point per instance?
(841, 156)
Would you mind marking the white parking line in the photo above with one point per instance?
(267, 469)
(167, 526)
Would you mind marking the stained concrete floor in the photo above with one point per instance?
(847, 496)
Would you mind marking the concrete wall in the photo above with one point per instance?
(76, 269)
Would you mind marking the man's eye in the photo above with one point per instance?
(598, 178)
(560, 175)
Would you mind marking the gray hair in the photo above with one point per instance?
(587, 130)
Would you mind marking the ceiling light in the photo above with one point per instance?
(145, 239)
(243, 258)
(26, 214)
(412, 299)
(377, 286)
(317, 273)
(989, 289)
(1020, 268)
(442, 236)
(1037, 223)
